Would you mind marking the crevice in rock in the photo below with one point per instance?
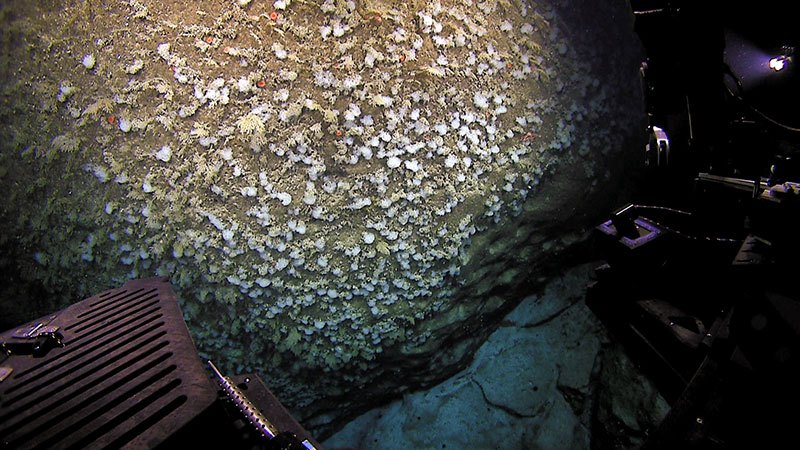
(508, 410)
(574, 397)
(552, 316)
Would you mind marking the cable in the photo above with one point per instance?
(740, 97)
(773, 121)
(663, 208)
(679, 233)
(692, 237)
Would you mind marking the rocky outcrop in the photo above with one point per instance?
(347, 196)
(549, 377)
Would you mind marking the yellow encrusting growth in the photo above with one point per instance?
(250, 124)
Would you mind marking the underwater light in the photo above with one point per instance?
(778, 63)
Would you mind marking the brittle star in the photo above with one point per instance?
(529, 136)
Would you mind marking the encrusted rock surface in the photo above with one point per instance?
(346, 195)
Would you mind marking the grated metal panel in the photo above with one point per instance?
(128, 375)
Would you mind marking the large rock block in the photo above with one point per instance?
(548, 377)
(344, 194)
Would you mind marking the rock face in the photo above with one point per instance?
(548, 377)
(346, 195)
